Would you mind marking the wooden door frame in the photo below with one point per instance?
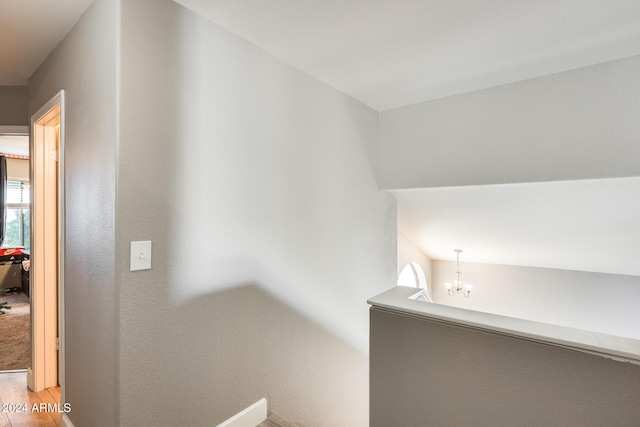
(43, 339)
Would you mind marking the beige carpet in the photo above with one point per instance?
(15, 331)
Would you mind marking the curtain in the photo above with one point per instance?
(3, 196)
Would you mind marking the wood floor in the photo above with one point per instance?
(17, 403)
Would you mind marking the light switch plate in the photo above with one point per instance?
(140, 255)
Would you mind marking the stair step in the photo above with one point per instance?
(277, 421)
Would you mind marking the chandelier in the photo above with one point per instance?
(457, 287)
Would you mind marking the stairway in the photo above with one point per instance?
(276, 421)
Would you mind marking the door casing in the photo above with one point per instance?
(47, 246)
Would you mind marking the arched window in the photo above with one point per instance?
(412, 276)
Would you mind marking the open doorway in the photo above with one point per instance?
(15, 312)
(47, 234)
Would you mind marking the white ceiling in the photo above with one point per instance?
(385, 53)
(29, 30)
(391, 53)
(14, 144)
(589, 225)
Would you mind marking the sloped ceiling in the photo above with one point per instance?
(391, 53)
(29, 30)
(385, 53)
(589, 225)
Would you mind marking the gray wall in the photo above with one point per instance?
(598, 302)
(425, 373)
(13, 106)
(256, 184)
(579, 124)
(84, 65)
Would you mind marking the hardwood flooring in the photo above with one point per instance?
(17, 403)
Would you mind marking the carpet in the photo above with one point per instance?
(15, 333)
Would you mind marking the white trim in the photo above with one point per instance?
(35, 379)
(399, 299)
(65, 421)
(249, 417)
(421, 295)
(61, 249)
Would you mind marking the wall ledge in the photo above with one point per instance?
(398, 300)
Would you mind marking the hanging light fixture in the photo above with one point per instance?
(457, 287)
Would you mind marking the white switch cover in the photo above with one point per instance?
(140, 255)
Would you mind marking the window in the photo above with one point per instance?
(17, 223)
(412, 276)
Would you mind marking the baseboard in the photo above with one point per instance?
(30, 383)
(249, 417)
(65, 421)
